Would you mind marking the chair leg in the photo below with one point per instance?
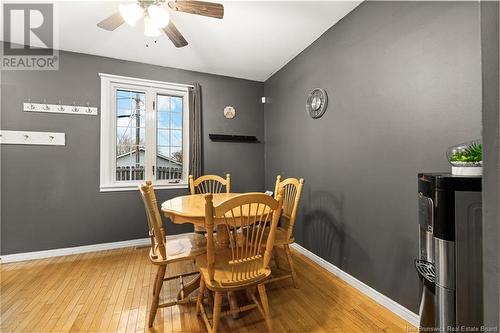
(290, 264)
(156, 294)
(265, 306)
(217, 308)
(155, 281)
(210, 295)
(199, 301)
(276, 257)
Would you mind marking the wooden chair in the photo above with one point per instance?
(167, 250)
(208, 184)
(292, 191)
(244, 263)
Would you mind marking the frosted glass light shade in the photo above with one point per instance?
(131, 13)
(150, 29)
(159, 16)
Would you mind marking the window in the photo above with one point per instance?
(144, 133)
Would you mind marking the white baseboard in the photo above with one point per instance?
(76, 250)
(72, 250)
(383, 300)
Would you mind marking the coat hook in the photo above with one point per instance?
(88, 108)
(26, 136)
(51, 137)
(46, 107)
(32, 107)
(74, 108)
(60, 107)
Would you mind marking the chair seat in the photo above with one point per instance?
(222, 277)
(181, 247)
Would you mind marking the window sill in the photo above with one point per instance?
(135, 187)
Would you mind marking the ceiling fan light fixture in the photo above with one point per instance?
(131, 13)
(158, 15)
(150, 28)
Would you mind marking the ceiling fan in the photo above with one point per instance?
(156, 17)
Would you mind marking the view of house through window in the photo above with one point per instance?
(144, 133)
(169, 156)
(131, 136)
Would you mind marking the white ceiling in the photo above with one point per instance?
(253, 41)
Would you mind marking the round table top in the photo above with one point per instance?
(191, 208)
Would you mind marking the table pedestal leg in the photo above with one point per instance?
(233, 304)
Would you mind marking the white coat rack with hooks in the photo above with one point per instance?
(8, 137)
(60, 108)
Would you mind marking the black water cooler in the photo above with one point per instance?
(449, 263)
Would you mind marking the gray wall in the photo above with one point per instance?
(50, 195)
(404, 81)
(404, 84)
(491, 178)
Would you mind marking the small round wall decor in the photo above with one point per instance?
(316, 104)
(229, 112)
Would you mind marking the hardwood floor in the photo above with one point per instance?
(110, 291)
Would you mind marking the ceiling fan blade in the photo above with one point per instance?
(175, 36)
(111, 22)
(210, 9)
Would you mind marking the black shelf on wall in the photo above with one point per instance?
(233, 138)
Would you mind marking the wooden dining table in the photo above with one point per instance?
(191, 209)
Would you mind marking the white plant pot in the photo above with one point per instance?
(467, 170)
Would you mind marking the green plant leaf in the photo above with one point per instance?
(473, 153)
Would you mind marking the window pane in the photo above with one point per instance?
(163, 137)
(176, 154)
(176, 104)
(130, 108)
(164, 119)
(164, 151)
(169, 138)
(169, 103)
(176, 138)
(176, 121)
(163, 103)
(122, 136)
(130, 135)
(169, 163)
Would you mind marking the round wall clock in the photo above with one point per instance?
(316, 104)
(229, 112)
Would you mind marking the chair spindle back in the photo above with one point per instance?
(245, 219)
(292, 191)
(155, 223)
(209, 184)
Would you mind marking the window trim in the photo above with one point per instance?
(152, 88)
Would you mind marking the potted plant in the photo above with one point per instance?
(466, 159)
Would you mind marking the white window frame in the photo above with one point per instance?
(109, 84)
